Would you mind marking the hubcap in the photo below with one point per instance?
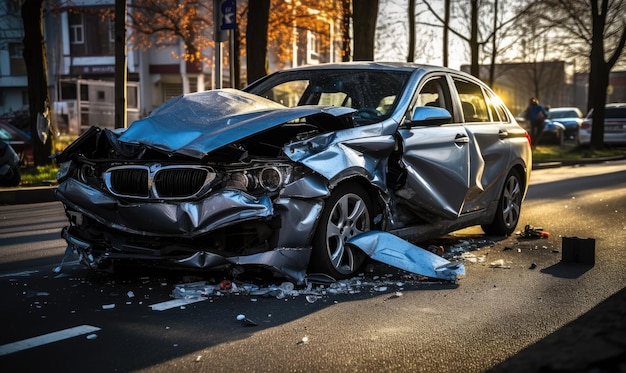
(349, 217)
(511, 202)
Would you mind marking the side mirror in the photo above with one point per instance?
(430, 116)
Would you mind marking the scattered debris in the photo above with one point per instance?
(92, 336)
(246, 321)
(499, 264)
(108, 306)
(473, 258)
(175, 303)
(532, 266)
(533, 232)
(303, 341)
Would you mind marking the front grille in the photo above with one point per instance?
(130, 182)
(159, 182)
(179, 182)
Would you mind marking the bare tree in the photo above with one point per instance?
(593, 28)
(472, 26)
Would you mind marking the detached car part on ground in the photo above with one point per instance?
(307, 170)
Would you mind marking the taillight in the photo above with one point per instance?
(528, 138)
(586, 125)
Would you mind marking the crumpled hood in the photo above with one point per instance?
(198, 123)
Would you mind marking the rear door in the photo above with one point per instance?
(437, 158)
(488, 126)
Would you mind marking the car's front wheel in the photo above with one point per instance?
(509, 207)
(347, 213)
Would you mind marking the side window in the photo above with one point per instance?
(473, 103)
(433, 94)
(496, 107)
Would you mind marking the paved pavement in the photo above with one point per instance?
(595, 342)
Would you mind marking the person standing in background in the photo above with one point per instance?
(535, 115)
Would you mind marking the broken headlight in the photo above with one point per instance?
(64, 171)
(261, 178)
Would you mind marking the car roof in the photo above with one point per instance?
(375, 65)
(616, 105)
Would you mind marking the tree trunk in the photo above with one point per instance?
(494, 44)
(446, 31)
(256, 37)
(364, 16)
(346, 50)
(411, 55)
(37, 73)
(474, 67)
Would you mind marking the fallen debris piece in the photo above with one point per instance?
(175, 303)
(533, 232)
(499, 264)
(394, 251)
(578, 250)
(108, 306)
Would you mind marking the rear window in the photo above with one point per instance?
(615, 113)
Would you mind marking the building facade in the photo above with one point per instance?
(80, 44)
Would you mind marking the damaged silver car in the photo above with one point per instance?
(308, 170)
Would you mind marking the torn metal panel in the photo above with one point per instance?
(184, 218)
(396, 252)
(298, 218)
(339, 154)
(289, 262)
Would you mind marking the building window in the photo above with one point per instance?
(111, 23)
(14, 7)
(76, 28)
(16, 54)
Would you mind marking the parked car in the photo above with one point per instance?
(553, 132)
(10, 175)
(19, 140)
(614, 125)
(290, 172)
(570, 117)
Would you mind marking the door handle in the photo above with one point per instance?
(503, 134)
(461, 139)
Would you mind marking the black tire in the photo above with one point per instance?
(509, 207)
(347, 212)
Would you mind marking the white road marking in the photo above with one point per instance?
(18, 274)
(46, 338)
(175, 303)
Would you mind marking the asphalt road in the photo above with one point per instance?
(513, 311)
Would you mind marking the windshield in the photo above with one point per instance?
(373, 93)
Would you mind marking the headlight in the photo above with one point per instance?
(64, 171)
(271, 179)
(261, 178)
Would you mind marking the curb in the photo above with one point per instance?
(23, 196)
